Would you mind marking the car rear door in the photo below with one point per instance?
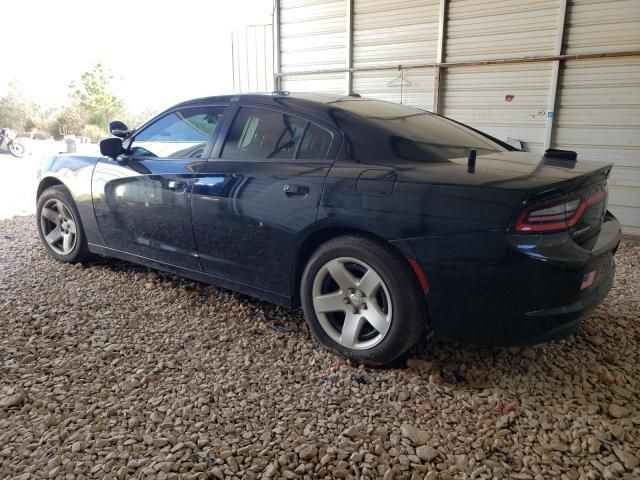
(258, 195)
(142, 199)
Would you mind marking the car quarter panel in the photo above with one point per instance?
(398, 204)
(493, 288)
(75, 173)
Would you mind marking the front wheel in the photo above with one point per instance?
(16, 149)
(60, 227)
(361, 299)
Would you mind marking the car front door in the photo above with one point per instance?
(142, 199)
(258, 195)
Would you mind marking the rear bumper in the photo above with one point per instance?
(498, 289)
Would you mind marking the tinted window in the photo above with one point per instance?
(257, 133)
(180, 134)
(315, 143)
(404, 132)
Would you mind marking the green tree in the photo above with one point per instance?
(134, 120)
(95, 98)
(71, 120)
(16, 112)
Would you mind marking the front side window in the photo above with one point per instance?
(261, 134)
(183, 133)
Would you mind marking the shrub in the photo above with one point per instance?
(94, 132)
(40, 135)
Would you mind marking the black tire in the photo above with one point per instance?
(80, 251)
(409, 311)
(16, 149)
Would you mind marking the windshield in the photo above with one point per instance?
(408, 133)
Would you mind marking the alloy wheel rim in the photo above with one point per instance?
(58, 227)
(352, 303)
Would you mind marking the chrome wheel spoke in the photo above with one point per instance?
(54, 236)
(50, 215)
(351, 330)
(370, 283)
(330, 302)
(340, 274)
(67, 242)
(61, 209)
(377, 318)
(72, 227)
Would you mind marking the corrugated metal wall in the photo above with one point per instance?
(597, 26)
(484, 29)
(597, 104)
(401, 33)
(478, 95)
(502, 100)
(252, 47)
(313, 36)
(598, 115)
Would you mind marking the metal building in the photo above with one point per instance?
(550, 73)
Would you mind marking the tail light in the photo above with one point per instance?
(558, 214)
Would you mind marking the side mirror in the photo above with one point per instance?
(119, 129)
(111, 147)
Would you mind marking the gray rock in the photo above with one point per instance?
(426, 453)
(616, 411)
(416, 435)
(15, 400)
(308, 452)
(629, 460)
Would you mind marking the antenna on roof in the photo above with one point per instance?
(471, 161)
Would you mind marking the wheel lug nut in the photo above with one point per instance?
(351, 290)
(347, 301)
(364, 306)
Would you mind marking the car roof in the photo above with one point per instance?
(270, 97)
(315, 105)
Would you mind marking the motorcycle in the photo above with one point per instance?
(8, 141)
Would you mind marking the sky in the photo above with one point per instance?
(160, 52)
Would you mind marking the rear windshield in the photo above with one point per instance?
(408, 133)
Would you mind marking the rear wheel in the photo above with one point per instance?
(361, 299)
(60, 227)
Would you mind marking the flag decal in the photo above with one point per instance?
(587, 280)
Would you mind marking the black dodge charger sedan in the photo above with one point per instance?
(382, 220)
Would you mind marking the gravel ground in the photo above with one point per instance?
(110, 370)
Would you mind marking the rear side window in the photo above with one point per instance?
(407, 133)
(183, 133)
(315, 143)
(261, 134)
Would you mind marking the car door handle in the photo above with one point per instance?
(291, 190)
(175, 185)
